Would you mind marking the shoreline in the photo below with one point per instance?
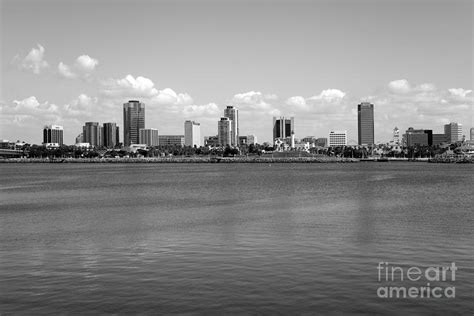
(225, 160)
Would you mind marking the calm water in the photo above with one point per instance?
(238, 238)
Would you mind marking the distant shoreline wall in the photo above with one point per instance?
(227, 160)
(184, 160)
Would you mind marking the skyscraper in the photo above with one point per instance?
(92, 134)
(224, 128)
(233, 114)
(365, 123)
(110, 135)
(472, 133)
(283, 128)
(53, 134)
(133, 121)
(453, 132)
(192, 133)
(149, 136)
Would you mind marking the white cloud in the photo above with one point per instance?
(193, 110)
(129, 87)
(65, 71)
(253, 99)
(296, 101)
(34, 61)
(399, 86)
(459, 92)
(329, 95)
(83, 67)
(82, 106)
(86, 63)
(169, 96)
(28, 111)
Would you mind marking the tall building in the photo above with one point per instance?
(224, 129)
(365, 123)
(337, 138)
(92, 134)
(396, 136)
(110, 135)
(133, 121)
(453, 132)
(170, 140)
(192, 134)
(149, 136)
(283, 128)
(233, 114)
(53, 134)
(472, 133)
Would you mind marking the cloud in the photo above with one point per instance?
(34, 61)
(329, 95)
(459, 92)
(424, 106)
(86, 63)
(83, 67)
(399, 86)
(297, 101)
(65, 71)
(169, 96)
(210, 109)
(81, 107)
(23, 112)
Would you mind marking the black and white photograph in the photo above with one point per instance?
(236, 157)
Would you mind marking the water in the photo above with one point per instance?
(233, 238)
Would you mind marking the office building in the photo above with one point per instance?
(192, 134)
(283, 128)
(92, 134)
(453, 132)
(224, 131)
(110, 135)
(418, 137)
(133, 121)
(472, 133)
(149, 137)
(80, 138)
(233, 114)
(337, 138)
(365, 123)
(211, 141)
(243, 140)
(438, 139)
(247, 140)
(171, 140)
(53, 134)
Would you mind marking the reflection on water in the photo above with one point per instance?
(240, 238)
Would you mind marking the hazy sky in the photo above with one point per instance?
(68, 62)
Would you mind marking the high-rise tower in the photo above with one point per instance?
(224, 129)
(133, 121)
(192, 133)
(233, 114)
(53, 134)
(365, 123)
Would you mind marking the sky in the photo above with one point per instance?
(67, 62)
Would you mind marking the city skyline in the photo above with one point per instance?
(303, 62)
